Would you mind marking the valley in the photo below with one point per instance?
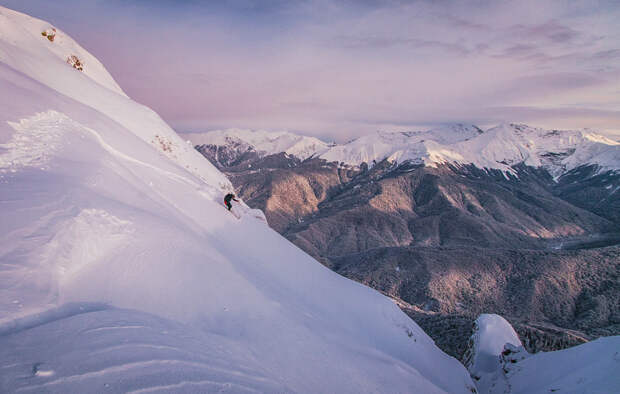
(450, 241)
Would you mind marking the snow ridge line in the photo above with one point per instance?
(194, 384)
(145, 364)
(200, 188)
(109, 148)
(49, 316)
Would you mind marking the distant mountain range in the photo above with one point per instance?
(500, 147)
(451, 222)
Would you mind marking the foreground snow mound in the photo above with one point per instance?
(120, 269)
(498, 363)
(115, 350)
(589, 368)
(491, 334)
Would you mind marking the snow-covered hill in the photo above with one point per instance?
(500, 147)
(500, 364)
(120, 271)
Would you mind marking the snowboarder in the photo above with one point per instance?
(227, 199)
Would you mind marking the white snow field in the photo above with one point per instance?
(121, 271)
(500, 364)
(497, 148)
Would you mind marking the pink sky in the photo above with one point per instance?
(338, 69)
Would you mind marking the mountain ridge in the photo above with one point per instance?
(368, 222)
(499, 147)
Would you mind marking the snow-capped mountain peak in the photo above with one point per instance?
(263, 142)
(501, 147)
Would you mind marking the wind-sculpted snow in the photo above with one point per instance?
(588, 368)
(120, 269)
(499, 363)
(34, 141)
(491, 334)
(115, 350)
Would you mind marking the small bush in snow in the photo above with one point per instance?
(75, 63)
(50, 34)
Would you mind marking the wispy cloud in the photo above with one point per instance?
(341, 68)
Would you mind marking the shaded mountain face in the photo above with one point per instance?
(452, 241)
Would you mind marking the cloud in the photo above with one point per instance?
(370, 42)
(343, 68)
(551, 32)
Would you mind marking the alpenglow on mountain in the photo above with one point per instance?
(500, 147)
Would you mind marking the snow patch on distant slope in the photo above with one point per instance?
(501, 147)
(556, 150)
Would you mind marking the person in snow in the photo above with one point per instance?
(227, 199)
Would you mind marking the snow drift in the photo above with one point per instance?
(500, 364)
(120, 270)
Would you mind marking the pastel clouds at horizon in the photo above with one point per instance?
(339, 69)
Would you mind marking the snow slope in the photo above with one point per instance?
(500, 147)
(120, 270)
(500, 364)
